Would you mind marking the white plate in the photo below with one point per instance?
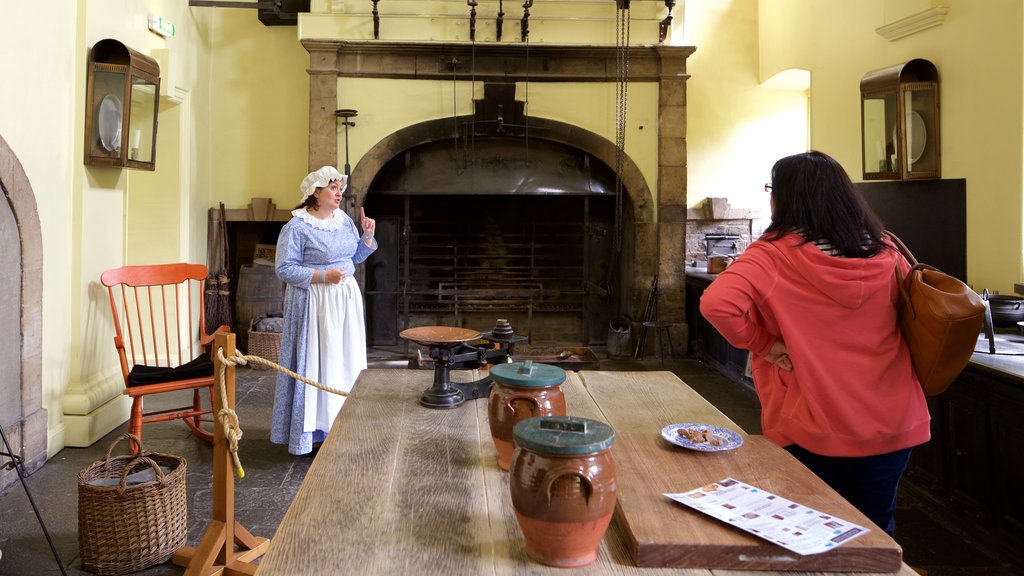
(730, 440)
(108, 121)
(918, 137)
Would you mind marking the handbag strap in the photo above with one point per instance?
(900, 284)
(902, 248)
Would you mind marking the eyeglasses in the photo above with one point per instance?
(768, 188)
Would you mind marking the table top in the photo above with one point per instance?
(401, 489)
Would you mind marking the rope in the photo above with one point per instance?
(229, 419)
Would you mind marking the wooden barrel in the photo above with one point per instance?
(259, 291)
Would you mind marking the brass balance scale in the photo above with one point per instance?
(454, 348)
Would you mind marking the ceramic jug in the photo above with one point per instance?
(562, 482)
(521, 390)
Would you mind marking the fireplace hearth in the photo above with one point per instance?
(544, 262)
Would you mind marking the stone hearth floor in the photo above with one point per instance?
(933, 539)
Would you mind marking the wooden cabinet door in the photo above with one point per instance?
(1007, 441)
(927, 466)
(968, 449)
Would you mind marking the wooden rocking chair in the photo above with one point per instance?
(159, 324)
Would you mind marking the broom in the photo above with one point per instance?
(218, 284)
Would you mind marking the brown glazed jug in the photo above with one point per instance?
(521, 390)
(563, 487)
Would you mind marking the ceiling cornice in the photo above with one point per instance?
(914, 23)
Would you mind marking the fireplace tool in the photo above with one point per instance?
(17, 463)
(462, 349)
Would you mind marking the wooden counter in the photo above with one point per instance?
(401, 489)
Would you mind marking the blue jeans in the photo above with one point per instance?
(868, 482)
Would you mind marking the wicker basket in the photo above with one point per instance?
(125, 527)
(263, 344)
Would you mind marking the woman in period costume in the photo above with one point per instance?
(324, 337)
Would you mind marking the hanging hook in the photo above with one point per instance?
(525, 22)
(472, 19)
(666, 23)
(500, 20)
(376, 21)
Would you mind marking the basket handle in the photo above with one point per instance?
(140, 460)
(125, 436)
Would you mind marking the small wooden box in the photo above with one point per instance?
(264, 255)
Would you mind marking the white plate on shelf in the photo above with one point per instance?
(726, 439)
(108, 122)
(918, 137)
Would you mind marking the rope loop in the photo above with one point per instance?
(229, 418)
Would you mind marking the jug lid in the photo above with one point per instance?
(528, 374)
(563, 435)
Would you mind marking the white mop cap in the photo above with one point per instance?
(320, 179)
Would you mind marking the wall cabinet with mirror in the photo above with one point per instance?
(900, 122)
(122, 102)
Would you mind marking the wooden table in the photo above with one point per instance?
(401, 489)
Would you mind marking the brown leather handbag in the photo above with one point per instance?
(940, 317)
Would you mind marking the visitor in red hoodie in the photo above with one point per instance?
(814, 301)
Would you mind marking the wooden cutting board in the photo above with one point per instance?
(664, 533)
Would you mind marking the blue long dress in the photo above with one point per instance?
(307, 244)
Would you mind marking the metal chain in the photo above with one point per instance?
(472, 103)
(526, 95)
(622, 22)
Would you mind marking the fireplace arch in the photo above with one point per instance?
(25, 420)
(499, 252)
(391, 146)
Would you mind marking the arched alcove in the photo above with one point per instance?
(23, 418)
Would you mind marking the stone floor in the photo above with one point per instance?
(933, 540)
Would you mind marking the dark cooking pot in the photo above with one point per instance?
(1006, 310)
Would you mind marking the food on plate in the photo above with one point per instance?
(700, 436)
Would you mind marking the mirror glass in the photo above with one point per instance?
(879, 133)
(143, 120)
(921, 143)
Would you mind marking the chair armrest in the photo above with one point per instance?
(206, 339)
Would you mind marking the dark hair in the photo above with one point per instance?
(309, 202)
(814, 196)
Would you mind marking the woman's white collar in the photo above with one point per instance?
(333, 224)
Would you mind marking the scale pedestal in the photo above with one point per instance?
(449, 348)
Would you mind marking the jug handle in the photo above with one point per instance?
(513, 397)
(560, 471)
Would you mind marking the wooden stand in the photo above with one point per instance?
(217, 553)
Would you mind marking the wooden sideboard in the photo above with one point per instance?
(705, 342)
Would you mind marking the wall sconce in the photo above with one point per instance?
(122, 102)
(900, 122)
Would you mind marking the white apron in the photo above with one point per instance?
(335, 349)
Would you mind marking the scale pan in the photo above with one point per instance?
(432, 335)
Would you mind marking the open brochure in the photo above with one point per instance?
(793, 526)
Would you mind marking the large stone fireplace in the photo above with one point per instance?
(21, 264)
(462, 240)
